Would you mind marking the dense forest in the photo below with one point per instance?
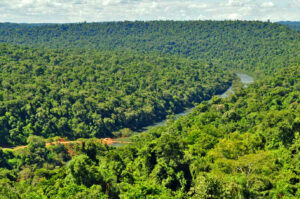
(244, 146)
(236, 44)
(92, 94)
(92, 80)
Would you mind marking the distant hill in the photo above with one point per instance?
(292, 24)
(238, 44)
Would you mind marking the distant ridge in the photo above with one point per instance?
(292, 24)
(253, 43)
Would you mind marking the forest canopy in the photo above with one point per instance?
(243, 45)
(88, 80)
(244, 146)
(80, 94)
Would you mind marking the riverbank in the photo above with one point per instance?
(107, 141)
(116, 142)
(245, 80)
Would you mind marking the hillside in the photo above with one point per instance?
(243, 45)
(78, 94)
(244, 146)
(60, 83)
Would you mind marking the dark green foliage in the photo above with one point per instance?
(37, 151)
(91, 94)
(243, 146)
(254, 155)
(250, 45)
(83, 171)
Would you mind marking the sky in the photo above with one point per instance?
(69, 11)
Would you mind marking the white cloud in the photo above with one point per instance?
(269, 4)
(235, 3)
(234, 16)
(296, 3)
(110, 2)
(197, 5)
(118, 10)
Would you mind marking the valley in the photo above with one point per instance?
(243, 78)
(150, 109)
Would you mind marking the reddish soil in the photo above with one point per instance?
(108, 141)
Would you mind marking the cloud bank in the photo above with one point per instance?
(63, 11)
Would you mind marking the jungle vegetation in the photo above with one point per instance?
(243, 45)
(88, 80)
(80, 94)
(244, 146)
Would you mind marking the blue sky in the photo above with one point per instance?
(63, 11)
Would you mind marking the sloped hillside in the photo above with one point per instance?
(244, 45)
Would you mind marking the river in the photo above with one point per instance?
(244, 78)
